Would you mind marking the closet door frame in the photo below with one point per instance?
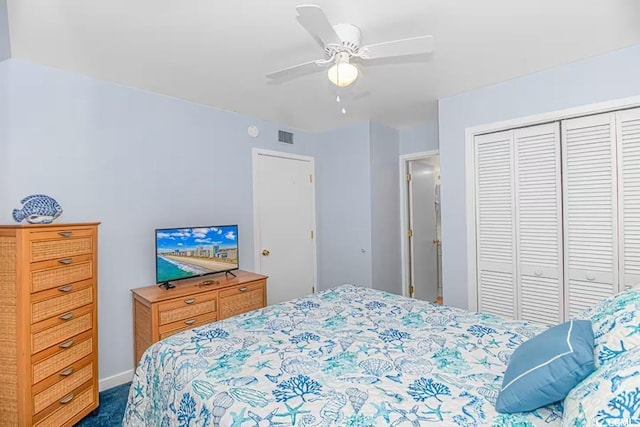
(470, 169)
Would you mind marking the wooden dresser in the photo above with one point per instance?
(48, 324)
(159, 313)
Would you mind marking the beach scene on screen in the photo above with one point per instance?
(187, 252)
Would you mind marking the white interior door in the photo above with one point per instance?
(285, 224)
(628, 124)
(590, 210)
(495, 224)
(422, 223)
(539, 223)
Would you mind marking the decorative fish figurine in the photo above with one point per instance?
(37, 209)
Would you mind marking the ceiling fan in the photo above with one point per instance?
(341, 44)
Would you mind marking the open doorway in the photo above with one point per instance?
(421, 243)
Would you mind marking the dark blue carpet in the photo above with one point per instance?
(111, 410)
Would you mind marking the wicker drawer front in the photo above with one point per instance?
(62, 388)
(50, 307)
(71, 351)
(55, 330)
(60, 276)
(186, 308)
(241, 299)
(185, 325)
(82, 399)
(59, 244)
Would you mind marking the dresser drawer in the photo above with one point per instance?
(67, 408)
(59, 273)
(58, 329)
(241, 298)
(53, 302)
(187, 307)
(46, 245)
(185, 325)
(58, 358)
(60, 385)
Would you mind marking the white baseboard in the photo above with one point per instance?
(116, 380)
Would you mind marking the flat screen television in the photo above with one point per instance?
(182, 253)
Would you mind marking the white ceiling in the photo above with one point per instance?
(217, 52)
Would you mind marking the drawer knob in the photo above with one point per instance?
(243, 289)
(190, 301)
(591, 277)
(538, 273)
(65, 261)
(66, 372)
(66, 344)
(67, 288)
(66, 316)
(68, 398)
(190, 322)
(65, 233)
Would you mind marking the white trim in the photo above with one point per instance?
(404, 197)
(115, 380)
(256, 226)
(473, 131)
(470, 188)
(552, 116)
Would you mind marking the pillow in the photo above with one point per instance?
(608, 397)
(545, 368)
(616, 325)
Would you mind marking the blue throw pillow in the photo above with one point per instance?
(545, 368)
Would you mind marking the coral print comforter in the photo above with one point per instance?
(348, 356)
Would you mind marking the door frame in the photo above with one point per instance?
(404, 212)
(255, 153)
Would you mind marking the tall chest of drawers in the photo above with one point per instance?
(48, 324)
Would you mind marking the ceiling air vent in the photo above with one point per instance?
(286, 137)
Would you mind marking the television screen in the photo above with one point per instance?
(188, 252)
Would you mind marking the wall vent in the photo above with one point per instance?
(286, 137)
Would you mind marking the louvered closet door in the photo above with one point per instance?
(628, 139)
(539, 223)
(495, 224)
(590, 210)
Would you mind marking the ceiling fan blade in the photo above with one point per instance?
(313, 19)
(298, 70)
(410, 46)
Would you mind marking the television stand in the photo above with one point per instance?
(229, 272)
(167, 285)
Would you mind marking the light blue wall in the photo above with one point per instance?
(137, 161)
(605, 77)
(419, 138)
(385, 208)
(5, 47)
(4, 127)
(134, 161)
(344, 206)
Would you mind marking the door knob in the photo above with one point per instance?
(265, 252)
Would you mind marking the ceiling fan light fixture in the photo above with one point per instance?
(342, 73)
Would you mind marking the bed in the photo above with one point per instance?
(348, 356)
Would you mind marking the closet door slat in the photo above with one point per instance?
(538, 203)
(590, 210)
(495, 224)
(628, 126)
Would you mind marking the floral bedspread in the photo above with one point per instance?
(348, 356)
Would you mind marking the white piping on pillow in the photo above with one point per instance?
(556, 357)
